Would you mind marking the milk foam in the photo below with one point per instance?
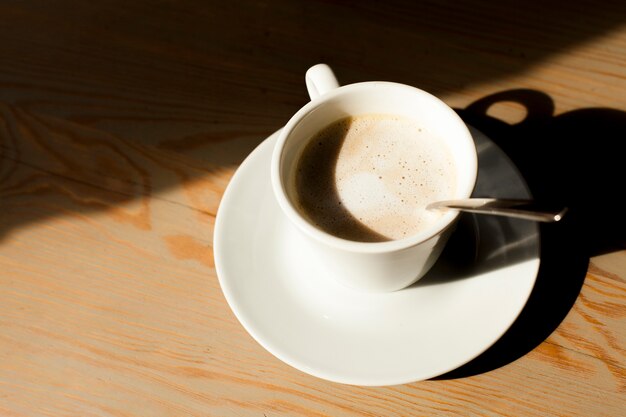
(370, 177)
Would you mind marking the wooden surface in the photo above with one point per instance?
(121, 123)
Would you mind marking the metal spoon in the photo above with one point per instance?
(522, 209)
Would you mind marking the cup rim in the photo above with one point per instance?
(280, 193)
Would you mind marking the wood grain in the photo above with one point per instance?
(121, 124)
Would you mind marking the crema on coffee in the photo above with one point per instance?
(369, 178)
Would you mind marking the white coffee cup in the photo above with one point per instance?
(371, 266)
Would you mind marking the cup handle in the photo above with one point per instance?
(320, 79)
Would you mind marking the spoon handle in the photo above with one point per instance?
(522, 209)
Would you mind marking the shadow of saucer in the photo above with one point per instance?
(572, 160)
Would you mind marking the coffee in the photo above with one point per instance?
(369, 178)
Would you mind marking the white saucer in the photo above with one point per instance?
(464, 305)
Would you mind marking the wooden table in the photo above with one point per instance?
(122, 122)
